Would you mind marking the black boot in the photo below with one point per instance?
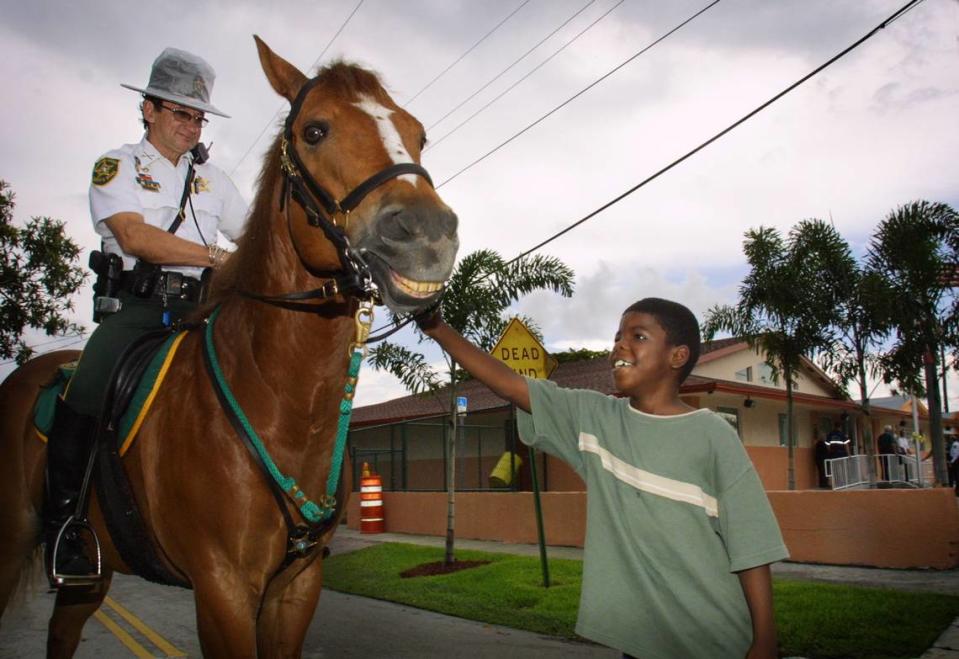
(68, 448)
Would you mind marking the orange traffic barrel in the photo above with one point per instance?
(371, 502)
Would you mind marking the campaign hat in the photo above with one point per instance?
(183, 78)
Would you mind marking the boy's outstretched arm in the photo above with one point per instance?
(758, 589)
(493, 373)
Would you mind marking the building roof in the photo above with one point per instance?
(592, 374)
(587, 374)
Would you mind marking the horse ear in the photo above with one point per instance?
(285, 78)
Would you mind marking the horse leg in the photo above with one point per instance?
(287, 611)
(226, 615)
(18, 555)
(73, 607)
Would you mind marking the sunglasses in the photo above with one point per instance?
(183, 117)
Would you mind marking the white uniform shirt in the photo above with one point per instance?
(903, 443)
(136, 179)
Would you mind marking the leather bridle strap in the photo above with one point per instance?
(315, 199)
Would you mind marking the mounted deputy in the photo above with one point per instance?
(158, 206)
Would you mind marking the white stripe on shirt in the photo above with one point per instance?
(648, 481)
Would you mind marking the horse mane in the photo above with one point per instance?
(341, 78)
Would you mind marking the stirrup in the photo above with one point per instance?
(59, 579)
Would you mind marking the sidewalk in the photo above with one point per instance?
(934, 581)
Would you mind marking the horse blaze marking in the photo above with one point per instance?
(392, 141)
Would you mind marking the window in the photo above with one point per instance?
(745, 375)
(782, 429)
(766, 377)
(731, 415)
(766, 374)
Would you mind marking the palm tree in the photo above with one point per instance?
(916, 249)
(786, 304)
(863, 309)
(481, 289)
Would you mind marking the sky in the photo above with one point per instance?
(875, 130)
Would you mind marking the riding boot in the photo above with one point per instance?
(69, 443)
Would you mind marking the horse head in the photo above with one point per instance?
(350, 156)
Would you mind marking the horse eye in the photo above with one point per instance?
(313, 133)
(423, 141)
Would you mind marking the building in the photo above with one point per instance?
(404, 440)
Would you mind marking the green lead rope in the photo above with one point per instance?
(310, 511)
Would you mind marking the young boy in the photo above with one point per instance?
(679, 533)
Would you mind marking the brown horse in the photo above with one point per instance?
(285, 356)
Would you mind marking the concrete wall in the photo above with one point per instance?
(878, 528)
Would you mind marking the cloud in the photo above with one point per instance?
(875, 130)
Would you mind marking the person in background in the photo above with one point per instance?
(954, 464)
(837, 442)
(821, 454)
(887, 446)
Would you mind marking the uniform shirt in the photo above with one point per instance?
(903, 444)
(674, 508)
(136, 179)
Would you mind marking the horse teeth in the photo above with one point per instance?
(416, 287)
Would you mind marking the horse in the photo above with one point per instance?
(343, 216)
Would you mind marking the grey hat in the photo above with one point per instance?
(182, 78)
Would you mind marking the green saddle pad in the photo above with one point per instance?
(45, 407)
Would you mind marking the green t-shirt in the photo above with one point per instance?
(674, 508)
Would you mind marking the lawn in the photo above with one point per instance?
(814, 620)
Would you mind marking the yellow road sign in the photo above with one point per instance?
(522, 352)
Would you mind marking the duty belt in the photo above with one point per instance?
(170, 286)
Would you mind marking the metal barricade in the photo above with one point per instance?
(898, 470)
(847, 473)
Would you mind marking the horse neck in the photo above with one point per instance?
(300, 356)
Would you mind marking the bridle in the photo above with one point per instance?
(321, 209)
(352, 279)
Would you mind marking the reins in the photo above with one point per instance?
(301, 538)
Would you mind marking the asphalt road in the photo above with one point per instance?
(344, 626)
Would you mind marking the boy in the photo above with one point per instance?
(680, 534)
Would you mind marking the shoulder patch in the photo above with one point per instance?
(105, 170)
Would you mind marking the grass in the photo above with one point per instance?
(815, 620)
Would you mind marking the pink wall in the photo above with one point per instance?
(879, 528)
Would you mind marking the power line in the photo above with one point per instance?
(897, 15)
(571, 98)
(283, 105)
(468, 51)
(579, 93)
(523, 79)
(515, 62)
(889, 21)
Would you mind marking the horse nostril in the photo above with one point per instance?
(449, 223)
(406, 221)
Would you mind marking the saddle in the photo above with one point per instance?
(139, 373)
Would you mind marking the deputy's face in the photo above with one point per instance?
(174, 129)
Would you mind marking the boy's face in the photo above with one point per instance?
(642, 358)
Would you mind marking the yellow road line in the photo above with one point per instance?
(161, 643)
(122, 634)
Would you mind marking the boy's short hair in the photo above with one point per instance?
(681, 326)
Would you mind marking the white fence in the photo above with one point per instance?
(899, 470)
